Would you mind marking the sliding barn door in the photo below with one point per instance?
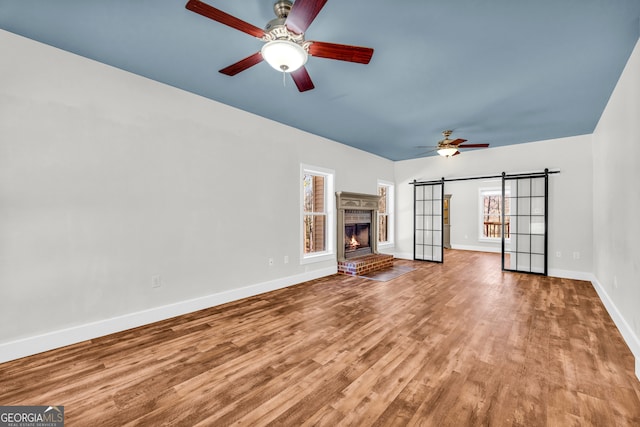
(525, 223)
(428, 221)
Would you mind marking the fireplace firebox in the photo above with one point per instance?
(357, 233)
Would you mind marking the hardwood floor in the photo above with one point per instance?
(458, 344)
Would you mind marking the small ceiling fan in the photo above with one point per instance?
(285, 47)
(450, 147)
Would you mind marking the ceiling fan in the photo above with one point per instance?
(285, 47)
(450, 147)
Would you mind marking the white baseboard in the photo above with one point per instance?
(403, 255)
(570, 274)
(51, 340)
(626, 331)
(477, 248)
(409, 255)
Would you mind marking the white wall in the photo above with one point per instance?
(616, 204)
(108, 179)
(570, 199)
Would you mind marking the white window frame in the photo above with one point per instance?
(390, 186)
(330, 237)
(488, 191)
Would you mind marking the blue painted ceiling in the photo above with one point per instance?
(496, 71)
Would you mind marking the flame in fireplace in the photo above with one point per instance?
(353, 243)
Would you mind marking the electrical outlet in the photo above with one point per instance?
(270, 262)
(286, 259)
(615, 282)
(558, 254)
(156, 281)
(576, 255)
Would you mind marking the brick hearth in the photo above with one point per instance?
(365, 264)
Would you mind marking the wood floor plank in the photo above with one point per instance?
(453, 344)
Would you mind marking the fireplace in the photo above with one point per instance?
(357, 224)
(357, 233)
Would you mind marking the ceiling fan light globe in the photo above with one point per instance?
(284, 55)
(447, 152)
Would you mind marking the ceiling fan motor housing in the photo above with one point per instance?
(282, 8)
(276, 29)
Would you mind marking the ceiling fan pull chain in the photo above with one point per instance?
(284, 79)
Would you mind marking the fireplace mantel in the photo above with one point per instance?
(356, 201)
(346, 200)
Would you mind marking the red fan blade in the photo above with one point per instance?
(341, 52)
(242, 65)
(302, 14)
(302, 79)
(455, 154)
(224, 18)
(473, 146)
(457, 141)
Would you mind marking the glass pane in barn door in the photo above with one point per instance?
(524, 248)
(428, 222)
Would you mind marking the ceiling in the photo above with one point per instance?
(495, 71)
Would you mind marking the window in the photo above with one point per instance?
(385, 213)
(491, 214)
(317, 214)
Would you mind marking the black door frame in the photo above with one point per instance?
(515, 251)
(433, 231)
